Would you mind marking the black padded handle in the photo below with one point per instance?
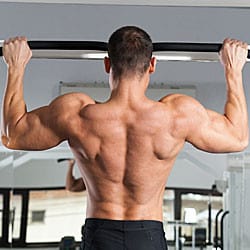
(102, 46)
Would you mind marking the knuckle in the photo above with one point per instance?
(16, 41)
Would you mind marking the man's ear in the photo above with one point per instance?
(107, 64)
(152, 65)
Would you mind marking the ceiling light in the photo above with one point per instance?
(100, 55)
(173, 58)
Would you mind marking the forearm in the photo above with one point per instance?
(73, 184)
(236, 107)
(70, 179)
(13, 107)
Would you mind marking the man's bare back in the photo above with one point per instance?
(125, 156)
(126, 147)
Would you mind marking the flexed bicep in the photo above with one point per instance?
(47, 126)
(35, 130)
(212, 132)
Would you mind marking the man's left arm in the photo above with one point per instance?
(74, 184)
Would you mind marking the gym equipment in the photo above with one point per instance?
(95, 50)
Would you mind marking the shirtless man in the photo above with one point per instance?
(126, 147)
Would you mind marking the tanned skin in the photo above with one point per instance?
(126, 147)
(73, 184)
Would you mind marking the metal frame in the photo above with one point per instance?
(4, 240)
(193, 3)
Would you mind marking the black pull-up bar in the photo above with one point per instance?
(102, 47)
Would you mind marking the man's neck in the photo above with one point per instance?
(129, 89)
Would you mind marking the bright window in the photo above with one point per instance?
(195, 209)
(168, 213)
(16, 211)
(54, 214)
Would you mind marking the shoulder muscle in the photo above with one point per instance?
(77, 100)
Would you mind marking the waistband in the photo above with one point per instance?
(124, 224)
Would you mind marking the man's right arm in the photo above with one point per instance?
(208, 130)
(44, 127)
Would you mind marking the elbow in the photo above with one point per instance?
(70, 188)
(9, 143)
(8, 138)
(5, 141)
(245, 139)
(243, 142)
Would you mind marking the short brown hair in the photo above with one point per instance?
(130, 51)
